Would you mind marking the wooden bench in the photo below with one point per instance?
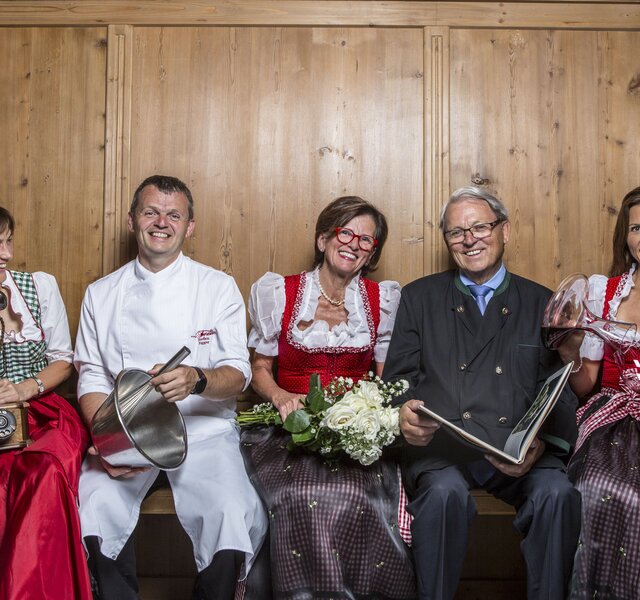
(160, 502)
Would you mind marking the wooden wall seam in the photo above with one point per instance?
(117, 143)
(436, 137)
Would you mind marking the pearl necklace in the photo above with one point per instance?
(327, 297)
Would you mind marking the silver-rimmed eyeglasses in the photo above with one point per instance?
(479, 231)
(365, 242)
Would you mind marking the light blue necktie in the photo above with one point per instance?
(480, 292)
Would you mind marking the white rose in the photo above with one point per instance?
(389, 419)
(370, 392)
(355, 401)
(367, 423)
(338, 416)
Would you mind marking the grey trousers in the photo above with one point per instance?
(548, 515)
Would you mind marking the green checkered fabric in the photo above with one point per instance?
(25, 359)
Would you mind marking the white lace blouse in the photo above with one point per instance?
(592, 346)
(266, 307)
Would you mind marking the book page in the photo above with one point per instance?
(525, 430)
(468, 437)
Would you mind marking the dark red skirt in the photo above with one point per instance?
(41, 551)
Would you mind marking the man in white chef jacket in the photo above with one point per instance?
(140, 316)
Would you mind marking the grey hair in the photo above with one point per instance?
(476, 193)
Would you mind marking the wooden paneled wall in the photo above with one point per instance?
(550, 119)
(269, 109)
(52, 103)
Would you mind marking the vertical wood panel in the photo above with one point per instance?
(528, 121)
(437, 104)
(267, 125)
(117, 136)
(51, 172)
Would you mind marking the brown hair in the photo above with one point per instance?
(165, 184)
(622, 259)
(6, 220)
(338, 213)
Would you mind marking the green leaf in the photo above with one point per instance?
(307, 435)
(314, 383)
(297, 421)
(316, 401)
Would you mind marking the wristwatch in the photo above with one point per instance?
(201, 384)
(39, 384)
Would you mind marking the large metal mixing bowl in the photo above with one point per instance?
(137, 427)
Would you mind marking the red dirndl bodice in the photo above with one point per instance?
(612, 369)
(296, 363)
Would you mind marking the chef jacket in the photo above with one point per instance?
(137, 318)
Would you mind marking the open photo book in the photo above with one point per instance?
(525, 431)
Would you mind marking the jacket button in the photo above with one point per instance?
(499, 370)
(502, 420)
(463, 366)
(460, 309)
(505, 310)
(466, 415)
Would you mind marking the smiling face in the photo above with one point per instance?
(479, 260)
(161, 224)
(345, 260)
(6, 251)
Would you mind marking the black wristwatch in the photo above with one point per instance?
(201, 384)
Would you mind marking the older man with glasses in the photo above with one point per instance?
(468, 341)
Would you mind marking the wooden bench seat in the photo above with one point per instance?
(160, 502)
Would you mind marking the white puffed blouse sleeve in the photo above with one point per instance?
(592, 346)
(266, 307)
(389, 301)
(53, 318)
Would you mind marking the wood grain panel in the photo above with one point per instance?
(530, 113)
(117, 136)
(436, 135)
(267, 125)
(52, 168)
(574, 15)
(618, 126)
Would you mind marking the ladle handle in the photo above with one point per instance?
(171, 364)
(175, 360)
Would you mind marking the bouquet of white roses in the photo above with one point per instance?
(343, 417)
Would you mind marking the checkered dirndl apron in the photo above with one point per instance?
(333, 526)
(606, 471)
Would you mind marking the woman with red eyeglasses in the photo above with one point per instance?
(333, 527)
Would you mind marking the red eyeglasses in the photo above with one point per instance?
(365, 242)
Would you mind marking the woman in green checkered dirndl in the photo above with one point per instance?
(41, 550)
